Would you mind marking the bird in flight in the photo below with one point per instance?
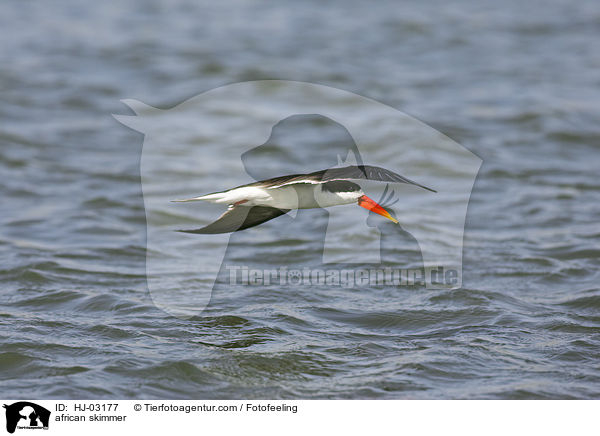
(255, 203)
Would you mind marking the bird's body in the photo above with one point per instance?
(255, 203)
(297, 196)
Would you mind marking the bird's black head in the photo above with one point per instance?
(340, 186)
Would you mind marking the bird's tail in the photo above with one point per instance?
(213, 198)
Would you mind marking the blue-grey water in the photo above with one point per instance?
(517, 83)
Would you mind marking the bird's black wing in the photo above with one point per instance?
(353, 172)
(239, 218)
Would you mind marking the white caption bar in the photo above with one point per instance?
(158, 417)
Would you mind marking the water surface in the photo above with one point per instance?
(516, 83)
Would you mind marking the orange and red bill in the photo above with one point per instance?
(371, 205)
